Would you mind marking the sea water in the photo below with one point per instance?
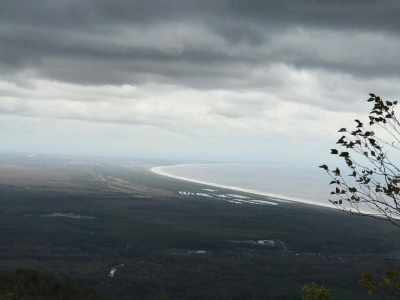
(300, 182)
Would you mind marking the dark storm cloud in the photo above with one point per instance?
(357, 14)
(117, 42)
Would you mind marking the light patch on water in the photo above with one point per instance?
(67, 215)
(231, 198)
(266, 202)
(237, 196)
(203, 195)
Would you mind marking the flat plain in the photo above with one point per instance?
(132, 234)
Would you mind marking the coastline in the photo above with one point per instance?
(279, 198)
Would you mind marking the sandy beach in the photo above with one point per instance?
(160, 170)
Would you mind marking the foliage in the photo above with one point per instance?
(374, 186)
(162, 296)
(381, 285)
(164, 232)
(31, 284)
(374, 189)
(313, 292)
(7, 293)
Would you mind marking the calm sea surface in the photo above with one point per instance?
(302, 182)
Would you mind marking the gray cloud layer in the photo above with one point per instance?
(206, 74)
(200, 44)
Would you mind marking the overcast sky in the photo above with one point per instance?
(236, 80)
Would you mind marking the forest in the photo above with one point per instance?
(92, 218)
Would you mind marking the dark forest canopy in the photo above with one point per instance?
(34, 285)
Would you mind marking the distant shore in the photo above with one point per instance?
(160, 171)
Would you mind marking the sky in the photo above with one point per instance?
(267, 81)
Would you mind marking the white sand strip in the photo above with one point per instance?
(160, 171)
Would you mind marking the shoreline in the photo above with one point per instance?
(159, 170)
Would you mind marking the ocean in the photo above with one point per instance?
(298, 182)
